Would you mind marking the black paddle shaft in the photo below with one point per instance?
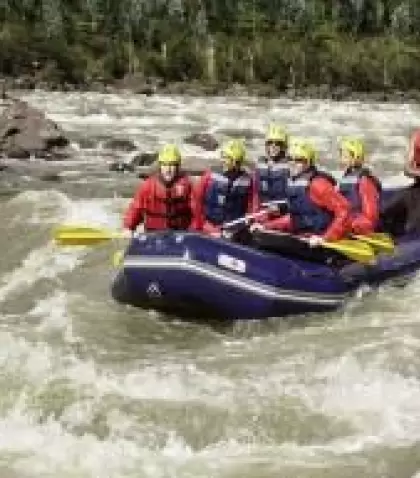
(293, 247)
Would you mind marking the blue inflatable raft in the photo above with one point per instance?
(189, 274)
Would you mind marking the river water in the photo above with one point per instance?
(92, 389)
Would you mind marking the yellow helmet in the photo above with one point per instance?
(302, 149)
(355, 147)
(169, 154)
(276, 133)
(234, 151)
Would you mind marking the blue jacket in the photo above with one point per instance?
(307, 216)
(226, 197)
(271, 180)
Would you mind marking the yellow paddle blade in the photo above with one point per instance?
(68, 235)
(117, 258)
(379, 240)
(383, 236)
(68, 229)
(354, 250)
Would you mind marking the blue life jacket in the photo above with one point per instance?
(226, 198)
(349, 186)
(271, 180)
(306, 215)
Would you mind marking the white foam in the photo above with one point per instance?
(376, 401)
(342, 389)
(43, 263)
(38, 207)
(46, 448)
(39, 362)
(53, 313)
(53, 207)
(168, 118)
(94, 213)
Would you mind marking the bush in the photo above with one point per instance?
(281, 43)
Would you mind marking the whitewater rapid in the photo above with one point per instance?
(92, 389)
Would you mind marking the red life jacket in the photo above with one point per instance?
(168, 205)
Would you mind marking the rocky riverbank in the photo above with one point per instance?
(139, 84)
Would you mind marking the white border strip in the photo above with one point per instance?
(226, 277)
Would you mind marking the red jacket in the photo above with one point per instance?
(324, 194)
(415, 148)
(160, 206)
(412, 168)
(200, 223)
(367, 220)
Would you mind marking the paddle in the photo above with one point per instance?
(358, 250)
(361, 250)
(353, 249)
(79, 235)
(117, 258)
(68, 235)
(378, 240)
(246, 218)
(277, 202)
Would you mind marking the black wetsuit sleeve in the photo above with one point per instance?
(412, 223)
(394, 214)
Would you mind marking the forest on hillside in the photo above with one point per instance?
(367, 45)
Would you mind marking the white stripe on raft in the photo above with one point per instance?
(226, 277)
